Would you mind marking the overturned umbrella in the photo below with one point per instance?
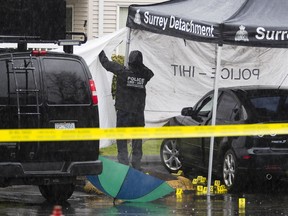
(125, 183)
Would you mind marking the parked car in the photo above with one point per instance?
(237, 160)
(40, 89)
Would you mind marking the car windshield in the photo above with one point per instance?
(271, 108)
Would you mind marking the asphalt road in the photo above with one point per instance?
(261, 200)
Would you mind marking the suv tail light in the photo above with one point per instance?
(93, 92)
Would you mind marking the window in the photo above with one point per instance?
(123, 13)
(228, 109)
(66, 82)
(205, 106)
(25, 81)
(271, 108)
(267, 104)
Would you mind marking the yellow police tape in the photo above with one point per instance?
(26, 135)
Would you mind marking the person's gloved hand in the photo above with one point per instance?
(102, 57)
(102, 54)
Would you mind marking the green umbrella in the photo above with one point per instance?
(126, 183)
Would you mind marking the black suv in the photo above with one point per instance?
(236, 160)
(40, 89)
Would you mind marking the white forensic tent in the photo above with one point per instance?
(90, 51)
(180, 39)
(194, 46)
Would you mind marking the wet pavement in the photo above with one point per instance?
(263, 199)
(269, 198)
(26, 200)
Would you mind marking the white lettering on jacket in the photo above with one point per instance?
(135, 82)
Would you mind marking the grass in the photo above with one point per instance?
(150, 147)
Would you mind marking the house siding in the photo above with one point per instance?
(80, 8)
(110, 15)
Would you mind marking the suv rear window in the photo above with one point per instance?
(65, 81)
(271, 107)
(24, 78)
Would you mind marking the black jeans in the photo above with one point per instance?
(128, 119)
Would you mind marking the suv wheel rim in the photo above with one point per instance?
(229, 170)
(170, 155)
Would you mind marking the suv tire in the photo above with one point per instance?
(230, 174)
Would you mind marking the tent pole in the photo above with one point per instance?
(213, 121)
(127, 47)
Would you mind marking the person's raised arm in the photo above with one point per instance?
(149, 72)
(111, 66)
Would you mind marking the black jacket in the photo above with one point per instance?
(131, 82)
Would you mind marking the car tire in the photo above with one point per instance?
(57, 193)
(169, 153)
(230, 174)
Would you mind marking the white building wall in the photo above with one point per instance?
(94, 20)
(80, 14)
(111, 15)
(103, 21)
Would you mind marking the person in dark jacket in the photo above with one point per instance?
(130, 100)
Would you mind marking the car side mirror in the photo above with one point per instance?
(187, 111)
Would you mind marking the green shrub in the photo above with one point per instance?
(119, 59)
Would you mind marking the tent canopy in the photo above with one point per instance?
(240, 22)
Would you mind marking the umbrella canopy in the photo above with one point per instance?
(125, 183)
